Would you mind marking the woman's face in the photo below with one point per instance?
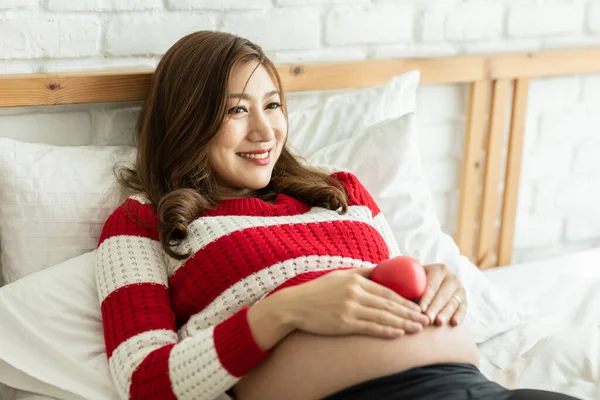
(254, 123)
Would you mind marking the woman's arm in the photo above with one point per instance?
(146, 357)
(269, 322)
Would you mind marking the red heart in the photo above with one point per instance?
(403, 274)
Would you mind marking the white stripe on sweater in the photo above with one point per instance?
(382, 226)
(253, 287)
(205, 230)
(129, 354)
(126, 260)
(195, 369)
(140, 198)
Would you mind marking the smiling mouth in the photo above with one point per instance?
(260, 156)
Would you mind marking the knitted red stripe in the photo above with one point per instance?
(134, 309)
(123, 221)
(235, 345)
(151, 379)
(357, 193)
(234, 257)
(283, 205)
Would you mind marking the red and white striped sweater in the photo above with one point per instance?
(178, 329)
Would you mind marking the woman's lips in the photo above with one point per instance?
(258, 161)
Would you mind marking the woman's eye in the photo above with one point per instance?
(273, 106)
(237, 110)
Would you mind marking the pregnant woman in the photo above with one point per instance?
(234, 271)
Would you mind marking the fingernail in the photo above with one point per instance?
(431, 317)
(424, 307)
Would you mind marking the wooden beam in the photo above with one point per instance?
(123, 85)
(513, 168)
(491, 177)
(359, 74)
(471, 167)
(544, 63)
(74, 88)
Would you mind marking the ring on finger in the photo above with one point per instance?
(457, 299)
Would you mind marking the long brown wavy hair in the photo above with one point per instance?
(184, 110)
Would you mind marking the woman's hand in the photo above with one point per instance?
(445, 299)
(347, 302)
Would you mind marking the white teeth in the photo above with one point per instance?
(258, 156)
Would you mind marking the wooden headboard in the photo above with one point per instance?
(482, 235)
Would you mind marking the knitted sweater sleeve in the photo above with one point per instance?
(145, 356)
(359, 195)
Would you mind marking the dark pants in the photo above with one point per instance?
(448, 381)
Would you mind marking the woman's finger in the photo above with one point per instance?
(382, 291)
(442, 297)
(449, 309)
(385, 318)
(380, 303)
(435, 277)
(362, 327)
(461, 312)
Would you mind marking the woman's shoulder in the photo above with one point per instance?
(357, 193)
(137, 205)
(135, 216)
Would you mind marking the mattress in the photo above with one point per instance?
(559, 348)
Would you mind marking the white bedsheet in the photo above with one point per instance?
(559, 348)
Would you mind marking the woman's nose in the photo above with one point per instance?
(260, 126)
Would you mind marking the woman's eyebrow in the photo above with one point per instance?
(246, 96)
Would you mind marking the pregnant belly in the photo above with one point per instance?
(304, 366)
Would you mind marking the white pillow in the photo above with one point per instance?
(347, 114)
(52, 339)
(386, 160)
(53, 202)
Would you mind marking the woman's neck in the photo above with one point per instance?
(228, 195)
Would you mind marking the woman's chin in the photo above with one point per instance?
(257, 184)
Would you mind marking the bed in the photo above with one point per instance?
(558, 347)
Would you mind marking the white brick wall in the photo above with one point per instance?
(591, 90)
(217, 4)
(114, 127)
(284, 33)
(66, 128)
(373, 24)
(102, 5)
(583, 227)
(560, 188)
(594, 16)
(17, 4)
(538, 231)
(475, 20)
(159, 33)
(52, 38)
(545, 18)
